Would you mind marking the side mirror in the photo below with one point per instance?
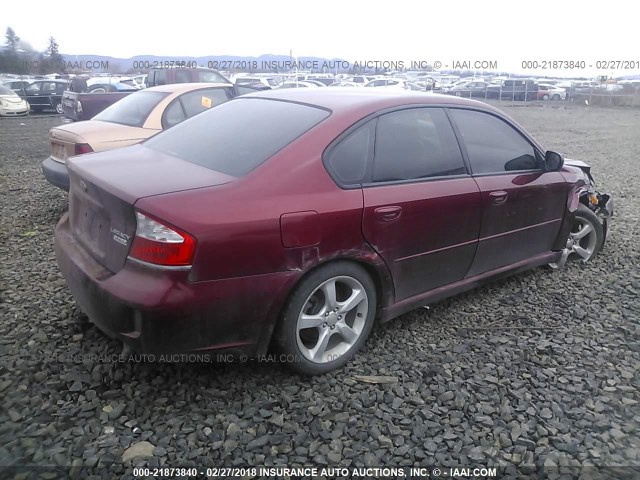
(553, 161)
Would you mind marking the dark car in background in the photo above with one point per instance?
(471, 89)
(79, 106)
(514, 89)
(45, 94)
(292, 218)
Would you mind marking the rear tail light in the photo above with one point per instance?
(157, 243)
(82, 148)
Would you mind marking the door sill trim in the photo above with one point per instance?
(463, 285)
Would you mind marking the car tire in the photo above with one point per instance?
(59, 108)
(555, 98)
(327, 318)
(585, 239)
(545, 97)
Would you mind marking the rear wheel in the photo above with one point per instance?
(585, 239)
(545, 97)
(327, 319)
(59, 108)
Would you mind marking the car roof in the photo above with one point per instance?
(345, 100)
(186, 87)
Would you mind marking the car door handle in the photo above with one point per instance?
(498, 197)
(388, 214)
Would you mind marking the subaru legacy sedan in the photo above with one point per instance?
(293, 219)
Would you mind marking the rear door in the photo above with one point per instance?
(422, 209)
(522, 206)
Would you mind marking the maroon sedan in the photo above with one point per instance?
(292, 219)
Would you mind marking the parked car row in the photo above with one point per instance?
(131, 120)
(264, 222)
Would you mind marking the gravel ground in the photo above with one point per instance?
(536, 373)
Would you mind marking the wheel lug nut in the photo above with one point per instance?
(324, 324)
(339, 317)
(332, 327)
(326, 314)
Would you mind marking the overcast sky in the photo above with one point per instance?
(497, 30)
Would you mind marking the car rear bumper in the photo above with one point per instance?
(56, 173)
(161, 311)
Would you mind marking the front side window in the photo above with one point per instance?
(414, 144)
(493, 145)
(33, 88)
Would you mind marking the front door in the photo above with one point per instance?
(422, 210)
(35, 96)
(522, 206)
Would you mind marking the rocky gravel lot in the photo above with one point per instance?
(537, 374)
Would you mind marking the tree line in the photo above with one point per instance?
(18, 57)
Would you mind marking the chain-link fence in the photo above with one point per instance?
(622, 95)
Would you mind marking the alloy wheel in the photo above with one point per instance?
(581, 243)
(332, 319)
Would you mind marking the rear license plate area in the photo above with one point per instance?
(59, 151)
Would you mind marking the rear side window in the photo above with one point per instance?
(237, 136)
(348, 159)
(493, 145)
(183, 76)
(192, 103)
(160, 77)
(133, 109)
(415, 143)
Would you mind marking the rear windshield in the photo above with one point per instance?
(131, 110)
(237, 136)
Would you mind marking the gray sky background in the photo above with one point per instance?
(353, 30)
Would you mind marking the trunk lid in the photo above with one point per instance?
(99, 135)
(105, 186)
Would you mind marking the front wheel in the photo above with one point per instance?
(585, 239)
(327, 319)
(59, 108)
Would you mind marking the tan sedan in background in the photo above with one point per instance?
(128, 121)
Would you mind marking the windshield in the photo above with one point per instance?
(237, 136)
(132, 110)
(7, 91)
